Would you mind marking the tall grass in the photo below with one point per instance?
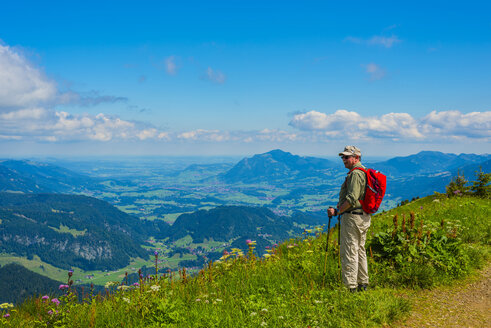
(287, 287)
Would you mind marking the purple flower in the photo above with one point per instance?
(6, 315)
(421, 208)
(136, 284)
(50, 312)
(56, 301)
(248, 241)
(63, 287)
(45, 297)
(156, 253)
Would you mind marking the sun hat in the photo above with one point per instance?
(351, 151)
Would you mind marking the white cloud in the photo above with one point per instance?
(204, 135)
(384, 41)
(472, 125)
(50, 125)
(215, 76)
(436, 125)
(377, 40)
(375, 71)
(22, 84)
(170, 65)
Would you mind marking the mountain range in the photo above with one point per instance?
(277, 166)
(34, 177)
(407, 177)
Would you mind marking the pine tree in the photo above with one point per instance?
(457, 187)
(482, 187)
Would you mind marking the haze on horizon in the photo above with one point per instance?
(239, 78)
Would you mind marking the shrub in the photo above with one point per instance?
(457, 187)
(415, 251)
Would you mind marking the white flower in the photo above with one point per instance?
(155, 288)
(264, 310)
(110, 283)
(127, 300)
(253, 314)
(264, 324)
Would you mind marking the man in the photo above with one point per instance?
(354, 222)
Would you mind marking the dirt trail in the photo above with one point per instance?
(462, 306)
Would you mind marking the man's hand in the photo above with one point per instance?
(331, 211)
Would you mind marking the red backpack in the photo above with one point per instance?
(374, 191)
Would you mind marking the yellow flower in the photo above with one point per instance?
(6, 305)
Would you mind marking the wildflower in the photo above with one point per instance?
(50, 312)
(317, 301)
(263, 324)
(264, 310)
(6, 305)
(290, 246)
(281, 317)
(123, 287)
(198, 300)
(63, 287)
(218, 300)
(267, 255)
(156, 253)
(45, 297)
(6, 315)
(136, 284)
(127, 300)
(253, 314)
(155, 288)
(110, 283)
(56, 301)
(250, 242)
(70, 273)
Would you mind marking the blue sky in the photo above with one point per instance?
(244, 77)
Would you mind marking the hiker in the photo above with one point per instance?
(354, 222)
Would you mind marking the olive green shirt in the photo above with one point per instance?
(353, 188)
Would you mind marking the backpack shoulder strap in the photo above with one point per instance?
(358, 168)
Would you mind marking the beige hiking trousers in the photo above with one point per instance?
(354, 268)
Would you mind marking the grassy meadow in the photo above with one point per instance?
(428, 242)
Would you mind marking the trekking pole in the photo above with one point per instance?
(339, 246)
(327, 248)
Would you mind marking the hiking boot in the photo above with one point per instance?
(362, 287)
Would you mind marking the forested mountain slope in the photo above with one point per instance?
(71, 230)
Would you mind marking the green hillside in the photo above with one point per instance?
(70, 231)
(437, 240)
(25, 282)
